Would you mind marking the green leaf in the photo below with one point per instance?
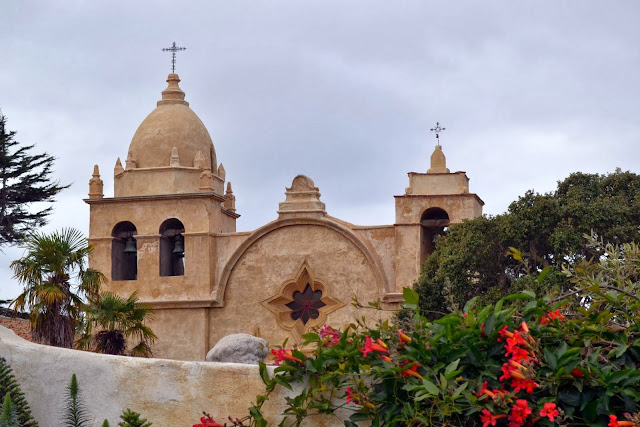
(550, 359)
(430, 387)
(451, 367)
(410, 296)
(621, 350)
(459, 390)
(522, 295)
(469, 304)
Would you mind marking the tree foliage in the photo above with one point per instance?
(472, 259)
(47, 269)
(25, 178)
(117, 320)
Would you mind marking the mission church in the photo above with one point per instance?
(169, 232)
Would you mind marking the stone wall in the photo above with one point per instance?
(168, 393)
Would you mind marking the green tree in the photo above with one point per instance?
(51, 263)
(117, 320)
(472, 259)
(25, 178)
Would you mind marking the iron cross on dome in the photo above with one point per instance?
(438, 129)
(173, 49)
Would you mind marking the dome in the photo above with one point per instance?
(171, 124)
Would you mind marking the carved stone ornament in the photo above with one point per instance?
(302, 303)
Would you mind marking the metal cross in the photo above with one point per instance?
(173, 49)
(438, 130)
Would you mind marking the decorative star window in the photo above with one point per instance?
(302, 303)
(305, 304)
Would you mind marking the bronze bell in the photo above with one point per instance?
(178, 248)
(130, 246)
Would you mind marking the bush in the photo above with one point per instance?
(569, 359)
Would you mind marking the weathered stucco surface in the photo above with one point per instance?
(168, 393)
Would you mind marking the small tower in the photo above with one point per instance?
(432, 201)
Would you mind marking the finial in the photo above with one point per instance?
(173, 49)
(96, 185)
(438, 130)
(230, 199)
(118, 169)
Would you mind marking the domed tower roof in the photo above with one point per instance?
(171, 124)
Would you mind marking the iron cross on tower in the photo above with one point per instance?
(173, 49)
(438, 130)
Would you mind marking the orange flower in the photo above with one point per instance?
(404, 338)
(613, 422)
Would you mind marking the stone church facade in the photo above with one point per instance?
(169, 233)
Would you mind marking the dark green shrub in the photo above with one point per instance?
(9, 385)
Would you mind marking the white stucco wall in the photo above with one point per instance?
(166, 392)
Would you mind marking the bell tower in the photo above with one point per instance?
(157, 235)
(432, 201)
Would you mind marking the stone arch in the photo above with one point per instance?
(434, 222)
(172, 248)
(364, 247)
(124, 251)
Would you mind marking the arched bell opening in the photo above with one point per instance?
(124, 252)
(172, 248)
(434, 222)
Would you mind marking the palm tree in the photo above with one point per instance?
(117, 320)
(46, 270)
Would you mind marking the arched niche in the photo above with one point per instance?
(172, 248)
(434, 222)
(124, 252)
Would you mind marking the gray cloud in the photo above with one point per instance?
(344, 92)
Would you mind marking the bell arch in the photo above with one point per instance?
(172, 248)
(124, 252)
(434, 222)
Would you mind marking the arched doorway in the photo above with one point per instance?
(124, 252)
(172, 248)
(434, 222)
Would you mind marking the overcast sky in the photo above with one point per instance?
(342, 91)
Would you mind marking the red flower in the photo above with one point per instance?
(411, 370)
(207, 422)
(547, 318)
(577, 373)
(370, 346)
(549, 410)
(284, 354)
(519, 413)
(613, 422)
(504, 332)
(523, 384)
(488, 418)
(330, 334)
(351, 396)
